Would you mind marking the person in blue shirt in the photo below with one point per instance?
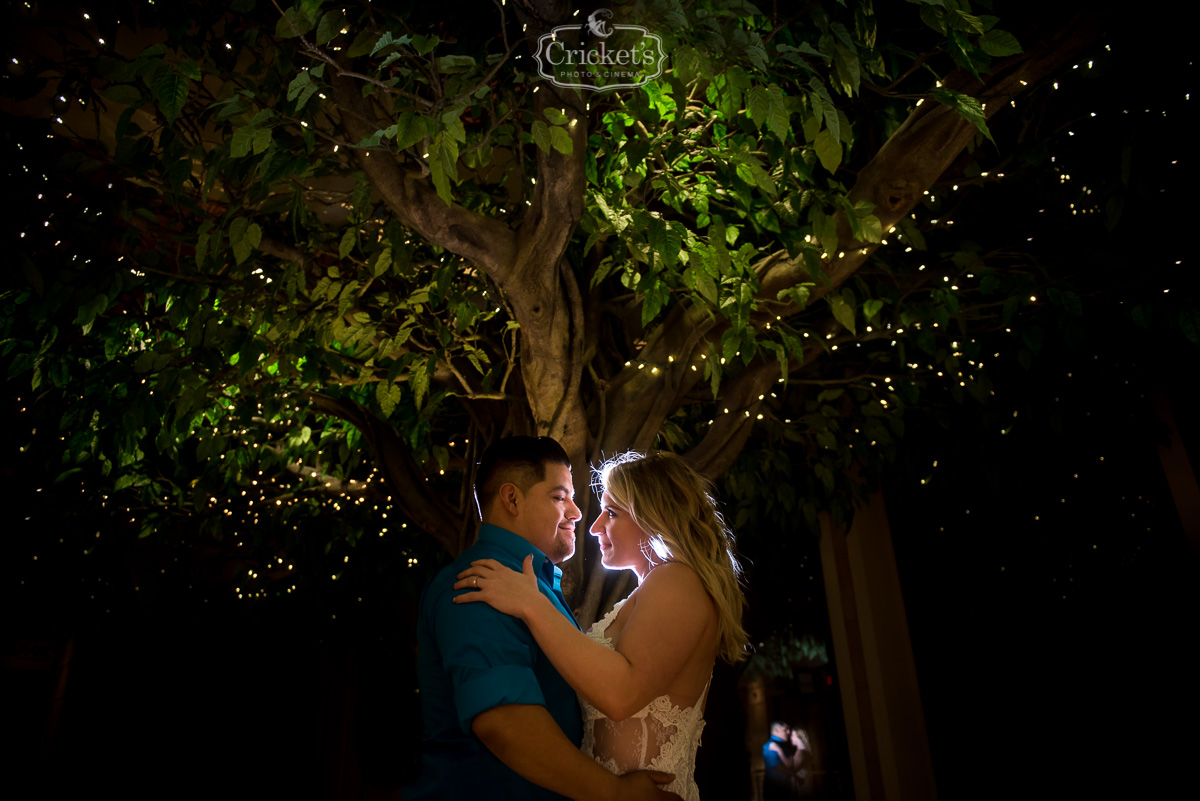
(499, 721)
(785, 776)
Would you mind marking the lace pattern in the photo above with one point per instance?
(660, 737)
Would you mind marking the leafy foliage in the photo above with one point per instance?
(295, 235)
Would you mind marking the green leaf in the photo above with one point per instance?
(242, 250)
(171, 91)
(871, 230)
(824, 229)
(349, 240)
(410, 129)
(670, 243)
(443, 164)
(968, 107)
(999, 43)
(244, 237)
(190, 69)
(777, 114)
(540, 132)
(309, 8)
(848, 70)
(843, 311)
(418, 381)
(301, 89)
(967, 22)
(388, 39)
(829, 111)
(388, 395)
(262, 140)
(237, 229)
(798, 294)
(376, 138)
(88, 312)
(121, 93)
(383, 261)
(702, 282)
(653, 301)
(293, 23)
(758, 104)
(330, 26)
(560, 140)
(241, 141)
(424, 44)
(1189, 324)
(201, 249)
(829, 150)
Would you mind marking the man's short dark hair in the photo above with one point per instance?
(515, 460)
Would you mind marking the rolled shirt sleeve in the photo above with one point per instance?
(489, 656)
(472, 659)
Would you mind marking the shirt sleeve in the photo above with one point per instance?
(770, 758)
(489, 657)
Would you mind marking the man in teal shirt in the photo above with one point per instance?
(499, 721)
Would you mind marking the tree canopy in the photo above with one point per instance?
(302, 263)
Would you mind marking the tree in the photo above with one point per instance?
(348, 226)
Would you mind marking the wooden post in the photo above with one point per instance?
(1181, 478)
(885, 723)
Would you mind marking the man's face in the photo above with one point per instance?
(547, 514)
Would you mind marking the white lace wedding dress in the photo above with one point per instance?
(659, 737)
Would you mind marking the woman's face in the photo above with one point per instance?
(620, 538)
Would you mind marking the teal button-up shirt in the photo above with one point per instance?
(472, 659)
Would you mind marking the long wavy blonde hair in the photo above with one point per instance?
(673, 504)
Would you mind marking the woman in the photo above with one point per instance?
(642, 673)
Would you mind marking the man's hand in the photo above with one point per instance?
(526, 738)
(643, 785)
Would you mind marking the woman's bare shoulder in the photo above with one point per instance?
(674, 579)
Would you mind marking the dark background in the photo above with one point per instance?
(1050, 590)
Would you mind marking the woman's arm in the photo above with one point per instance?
(668, 622)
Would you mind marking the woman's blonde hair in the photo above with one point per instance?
(673, 504)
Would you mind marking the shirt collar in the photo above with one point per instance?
(519, 548)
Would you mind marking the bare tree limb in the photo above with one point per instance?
(487, 242)
(411, 489)
(916, 155)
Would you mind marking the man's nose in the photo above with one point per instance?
(574, 512)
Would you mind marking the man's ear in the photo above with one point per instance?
(510, 498)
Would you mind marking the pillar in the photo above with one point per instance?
(885, 723)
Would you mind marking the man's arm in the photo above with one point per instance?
(526, 738)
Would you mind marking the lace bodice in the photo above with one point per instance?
(659, 737)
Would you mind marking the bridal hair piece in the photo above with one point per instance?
(673, 504)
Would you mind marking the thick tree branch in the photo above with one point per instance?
(916, 155)
(420, 504)
(735, 418)
(410, 197)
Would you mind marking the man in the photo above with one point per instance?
(499, 722)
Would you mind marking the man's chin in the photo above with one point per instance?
(562, 553)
